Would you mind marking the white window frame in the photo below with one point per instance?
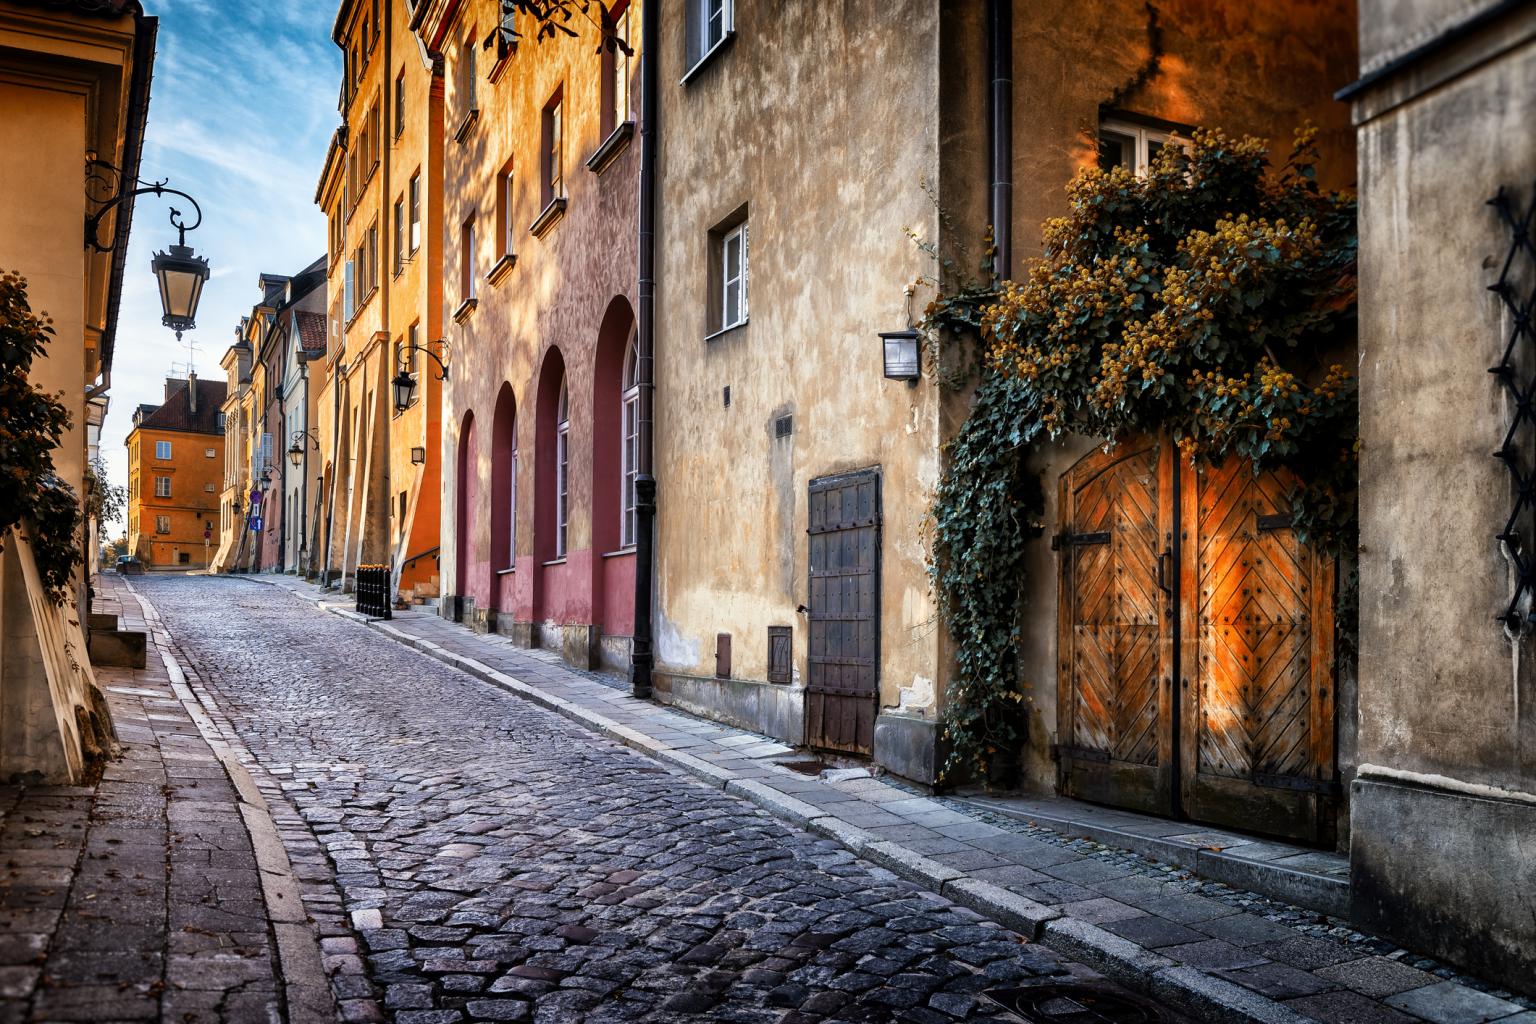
(210, 453)
(622, 68)
(1142, 137)
(562, 470)
(736, 236)
(162, 487)
(163, 451)
(708, 13)
(413, 211)
(470, 269)
(512, 503)
(629, 448)
(509, 230)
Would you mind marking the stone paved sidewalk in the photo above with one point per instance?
(1216, 952)
(143, 896)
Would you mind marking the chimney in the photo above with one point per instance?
(192, 394)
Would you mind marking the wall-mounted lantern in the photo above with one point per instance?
(301, 442)
(404, 382)
(902, 355)
(180, 271)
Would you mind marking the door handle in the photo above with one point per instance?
(1162, 571)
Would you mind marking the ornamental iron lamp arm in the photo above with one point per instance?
(93, 222)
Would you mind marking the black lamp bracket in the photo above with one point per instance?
(443, 366)
(178, 220)
(309, 435)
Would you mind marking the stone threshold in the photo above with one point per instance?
(1212, 957)
(1308, 877)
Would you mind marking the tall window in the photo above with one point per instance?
(630, 452)
(562, 469)
(733, 277)
(412, 352)
(554, 132)
(349, 292)
(400, 103)
(709, 22)
(512, 506)
(616, 69)
(162, 487)
(399, 235)
(162, 524)
(467, 259)
(162, 449)
(466, 83)
(373, 256)
(504, 208)
(414, 197)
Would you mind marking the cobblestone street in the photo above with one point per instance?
(485, 859)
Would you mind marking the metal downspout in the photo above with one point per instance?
(1000, 57)
(641, 658)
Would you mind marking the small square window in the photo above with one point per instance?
(210, 453)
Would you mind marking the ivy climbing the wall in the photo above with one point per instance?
(1212, 299)
(32, 423)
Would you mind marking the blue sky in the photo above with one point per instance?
(241, 110)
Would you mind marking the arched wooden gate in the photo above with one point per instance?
(1195, 644)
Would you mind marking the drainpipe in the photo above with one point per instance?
(645, 347)
(1000, 58)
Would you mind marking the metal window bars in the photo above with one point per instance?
(1516, 371)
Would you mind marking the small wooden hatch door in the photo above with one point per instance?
(843, 681)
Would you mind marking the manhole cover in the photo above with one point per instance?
(1074, 1004)
(804, 767)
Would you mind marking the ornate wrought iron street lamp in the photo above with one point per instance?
(404, 381)
(298, 446)
(179, 271)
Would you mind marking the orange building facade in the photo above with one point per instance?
(381, 190)
(175, 469)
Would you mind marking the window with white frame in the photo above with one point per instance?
(414, 197)
(399, 235)
(554, 148)
(162, 524)
(504, 207)
(617, 67)
(162, 487)
(1134, 146)
(562, 470)
(210, 453)
(467, 259)
(733, 277)
(629, 453)
(208, 487)
(709, 23)
(468, 102)
(162, 450)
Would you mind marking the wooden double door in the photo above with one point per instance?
(1195, 644)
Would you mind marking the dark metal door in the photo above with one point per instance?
(842, 691)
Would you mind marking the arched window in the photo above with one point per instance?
(630, 448)
(562, 469)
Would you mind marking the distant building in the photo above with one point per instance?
(175, 462)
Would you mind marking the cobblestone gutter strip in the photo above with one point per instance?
(1187, 989)
(306, 990)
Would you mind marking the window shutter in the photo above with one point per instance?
(695, 28)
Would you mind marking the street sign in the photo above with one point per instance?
(256, 523)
